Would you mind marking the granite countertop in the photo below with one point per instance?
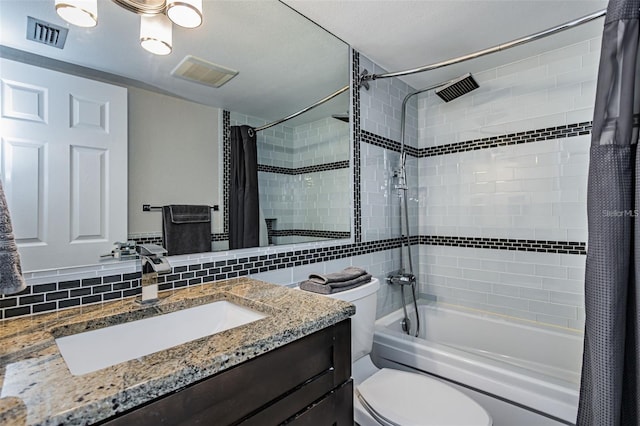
(38, 389)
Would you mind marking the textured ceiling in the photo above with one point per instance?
(285, 62)
(400, 35)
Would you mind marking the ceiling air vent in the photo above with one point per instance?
(46, 33)
(203, 72)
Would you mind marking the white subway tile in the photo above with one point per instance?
(553, 309)
(508, 302)
(506, 290)
(530, 281)
(518, 66)
(562, 53)
(535, 294)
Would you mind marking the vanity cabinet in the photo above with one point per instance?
(306, 382)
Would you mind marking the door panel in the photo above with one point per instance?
(63, 165)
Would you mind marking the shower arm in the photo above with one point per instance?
(365, 76)
(403, 113)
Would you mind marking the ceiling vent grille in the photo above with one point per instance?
(46, 33)
(203, 72)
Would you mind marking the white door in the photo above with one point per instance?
(63, 164)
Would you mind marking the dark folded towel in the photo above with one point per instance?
(186, 229)
(346, 274)
(346, 279)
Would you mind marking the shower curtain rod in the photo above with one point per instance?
(365, 76)
(302, 111)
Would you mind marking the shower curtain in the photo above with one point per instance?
(609, 391)
(244, 208)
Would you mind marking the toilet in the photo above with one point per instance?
(398, 398)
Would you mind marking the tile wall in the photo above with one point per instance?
(505, 167)
(286, 265)
(530, 264)
(380, 110)
(303, 172)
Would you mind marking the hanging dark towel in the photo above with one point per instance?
(186, 229)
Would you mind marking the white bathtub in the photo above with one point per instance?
(530, 366)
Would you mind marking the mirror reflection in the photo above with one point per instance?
(178, 130)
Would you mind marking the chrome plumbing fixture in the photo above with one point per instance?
(448, 91)
(401, 278)
(125, 251)
(154, 263)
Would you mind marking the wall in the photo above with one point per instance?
(503, 179)
(286, 265)
(303, 175)
(380, 109)
(511, 274)
(173, 157)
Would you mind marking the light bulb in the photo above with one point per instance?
(83, 13)
(186, 13)
(155, 34)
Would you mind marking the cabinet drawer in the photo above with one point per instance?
(335, 409)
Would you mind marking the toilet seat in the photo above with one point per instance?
(399, 398)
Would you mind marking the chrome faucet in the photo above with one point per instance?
(153, 264)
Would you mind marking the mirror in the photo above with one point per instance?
(284, 62)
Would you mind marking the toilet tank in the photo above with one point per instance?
(363, 322)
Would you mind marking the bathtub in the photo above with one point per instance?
(531, 367)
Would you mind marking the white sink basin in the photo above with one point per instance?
(96, 349)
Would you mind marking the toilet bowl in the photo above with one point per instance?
(398, 398)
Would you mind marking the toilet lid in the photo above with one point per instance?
(400, 398)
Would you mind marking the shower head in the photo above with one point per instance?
(456, 88)
(342, 117)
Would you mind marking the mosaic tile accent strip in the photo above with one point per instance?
(355, 102)
(158, 239)
(565, 131)
(540, 246)
(301, 170)
(309, 233)
(226, 166)
(59, 295)
(66, 294)
(150, 239)
(219, 237)
(373, 139)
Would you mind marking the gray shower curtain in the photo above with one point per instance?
(609, 391)
(244, 208)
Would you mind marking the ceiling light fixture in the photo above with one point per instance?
(155, 34)
(83, 13)
(186, 13)
(155, 22)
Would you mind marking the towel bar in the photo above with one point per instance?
(149, 208)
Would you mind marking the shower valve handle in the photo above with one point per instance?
(401, 278)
